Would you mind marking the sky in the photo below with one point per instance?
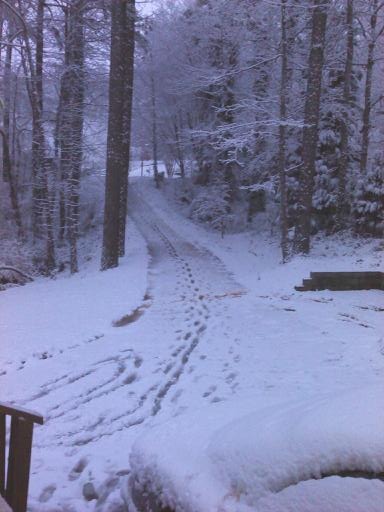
(146, 6)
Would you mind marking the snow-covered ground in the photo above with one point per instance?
(191, 334)
(265, 456)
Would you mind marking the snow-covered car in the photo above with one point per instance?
(324, 454)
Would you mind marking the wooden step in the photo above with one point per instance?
(375, 275)
(343, 281)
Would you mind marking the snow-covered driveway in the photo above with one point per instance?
(105, 356)
(96, 391)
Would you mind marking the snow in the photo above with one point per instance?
(220, 368)
(328, 495)
(64, 306)
(210, 461)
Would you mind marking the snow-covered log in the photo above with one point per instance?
(11, 275)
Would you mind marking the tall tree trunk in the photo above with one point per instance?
(311, 124)
(1, 32)
(1, 53)
(43, 198)
(341, 213)
(117, 152)
(154, 131)
(62, 131)
(368, 89)
(7, 169)
(226, 101)
(58, 156)
(179, 151)
(14, 107)
(39, 190)
(69, 129)
(7, 99)
(76, 122)
(203, 169)
(282, 134)
(40, 50)
(128, 43)
(41, 211)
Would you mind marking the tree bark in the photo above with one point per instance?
(117, 142)
(76, 122)
(41, 207)
(58, 157)
(39, 189)
(128, 48)
(7, 170)
(179, 152)
(7, 96)
(282, 134)
(62, 132)
(341, 213)
(368, 89)
(311, 123)
(154, 131)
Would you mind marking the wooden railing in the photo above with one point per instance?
(14, 476)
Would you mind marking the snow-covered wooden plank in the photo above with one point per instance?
(21, 412)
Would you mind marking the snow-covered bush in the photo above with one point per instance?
(369, 200)
(326, 179)
(212, 206)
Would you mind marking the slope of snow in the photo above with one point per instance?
(62, 356)
(210, 328)
(52, 315)
(207, 460)
(327, 495)
(255, 257)
(297, 346)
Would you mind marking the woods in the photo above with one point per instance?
(191, 254)
(273, 100)
(259, 108)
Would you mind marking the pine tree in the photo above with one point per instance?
(369, 199)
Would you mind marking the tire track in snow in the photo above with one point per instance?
(186, 304)
(195, 313)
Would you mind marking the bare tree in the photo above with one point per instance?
(42, 219)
